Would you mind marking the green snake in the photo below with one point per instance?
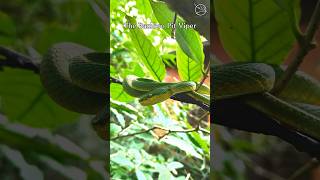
(76, 78)
(151, 92)
(296, 106)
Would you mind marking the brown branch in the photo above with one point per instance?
(305, 44)
(168, 131)
(15, 59)
(133, 134)
(302, 170)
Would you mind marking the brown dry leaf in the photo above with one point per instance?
(160, 132)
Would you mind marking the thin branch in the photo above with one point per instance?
(17, 60)
(205, 76)
(133, 134)
(258, 169)
(306, 167)
(305, 46)
(168, 131)
(173, 32)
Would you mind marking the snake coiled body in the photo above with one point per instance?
(75, 77)
(295, 106)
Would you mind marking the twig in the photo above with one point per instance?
(205, 75)
(173, 32)
(305, 46)
(258, 169)
(168, 131)
(307, 166)
(133, 134)
(17, 60)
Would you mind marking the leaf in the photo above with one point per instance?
(140, 175)
(198, 141)
(182, 145)
(147, 51)
(144, 7)
(164, 173)
(24, 100)
(114, 130)
(187, 38)
(174, 165)
(89, 32)
(7, 30)
(254, 30)
(160, 132)
(117, 93)
(7, 25)
(188, 69)
(123, 161)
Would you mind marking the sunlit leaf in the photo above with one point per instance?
(140, 175)
(122, 161)
(117, 93)
(147, 52)
(187, 38)
(255, 31)
(188, 69)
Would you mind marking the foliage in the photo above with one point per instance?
(35, 131)
(142, 52)
(264, 31)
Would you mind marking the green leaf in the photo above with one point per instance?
(188, 69)
(140, 175)
(7, 30)
(24, 100)
(174, 165)
(147, 52)
(117, 93)
(187, 38)
(7, 25)
(144, 7)
(123, 161)
(254, 30)
(198, 141)
(164, 173)
(182, 145)
(89, 31)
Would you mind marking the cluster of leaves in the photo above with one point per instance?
(35, 131)
(254, 31)
(146, 53)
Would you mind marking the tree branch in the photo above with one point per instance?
(226, 113)
(168, 131)
(305, 44)
(17, 60)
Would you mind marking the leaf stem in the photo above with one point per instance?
(305, 45)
